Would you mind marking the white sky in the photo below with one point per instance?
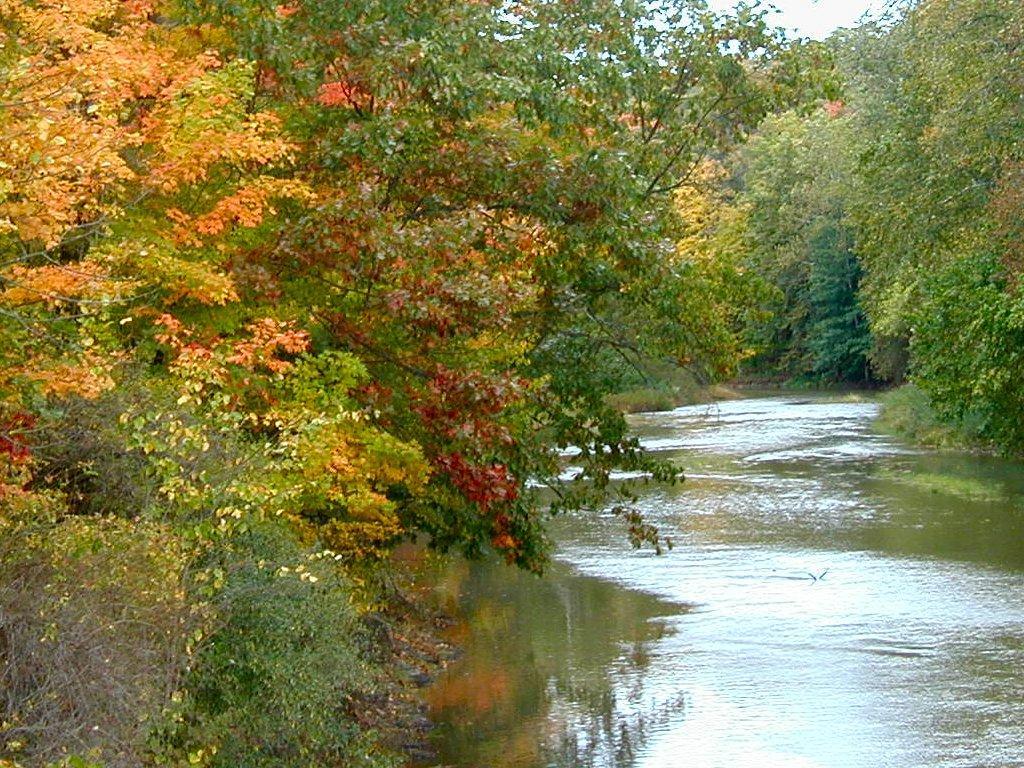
(812, 18)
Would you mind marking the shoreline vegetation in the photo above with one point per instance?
(287, 285)
(282, 675)
(652, 399)
(683, 390)
(670, 390)
(907, 412)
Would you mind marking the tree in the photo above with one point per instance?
(470, 220)
(794, 176)
(284, 284)
(938, 123)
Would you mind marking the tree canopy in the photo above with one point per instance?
(350, 272)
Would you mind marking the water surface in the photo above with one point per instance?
(835, 599)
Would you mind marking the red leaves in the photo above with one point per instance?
(504, 541)
(463, 409)
(464, 405)
(473, 389)
(12, 437)
(483, 484)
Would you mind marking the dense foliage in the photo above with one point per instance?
(281, 284)
(887, 223)
(937, 205)
(793, 177)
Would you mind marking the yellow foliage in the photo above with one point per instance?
(353, 465)
(208, 127)
(267, 338)
(359, 540)
(702, 207)
(71, 106)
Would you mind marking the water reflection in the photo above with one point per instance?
(908, 651)
(555, 672)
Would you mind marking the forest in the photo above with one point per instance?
(285, 285)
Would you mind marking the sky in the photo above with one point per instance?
(812, 18)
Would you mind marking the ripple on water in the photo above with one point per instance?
(840, 601)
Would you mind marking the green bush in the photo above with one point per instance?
(644, 400)
(274, 683)
(908, 412)
(661, 387)
(968, 350)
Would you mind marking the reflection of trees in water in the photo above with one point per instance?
(602, 733)
(554, 674)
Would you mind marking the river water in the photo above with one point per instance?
(835, 599)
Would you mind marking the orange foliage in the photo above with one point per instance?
(97, 79)
(269, 338)
(52, 284)
(246, 207)
(344, 90)
(63, 107)
(88, 377)
(835, 109)
(189, 155)
(342, 94)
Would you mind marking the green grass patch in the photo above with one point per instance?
(645, 400)
(908, 413)
(967, 488)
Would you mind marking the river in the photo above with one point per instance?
(835, 599)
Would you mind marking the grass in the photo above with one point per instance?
(670, 387)
(907, 412)
(646, 399)
(967, 488)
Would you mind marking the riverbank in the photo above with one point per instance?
(907, 413)
(667, 398)
(121, 646)
(409, 646)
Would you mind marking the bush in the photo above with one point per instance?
(663, 388)
(93, 622)
(118, 647)
(908, 412)
(968, 350)
(644, 400)
(273, 684)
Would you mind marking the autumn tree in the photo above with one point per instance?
(286, 283)
(495, 215)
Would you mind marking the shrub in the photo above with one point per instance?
(93, 622)
(272, 685)
(908, 412)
